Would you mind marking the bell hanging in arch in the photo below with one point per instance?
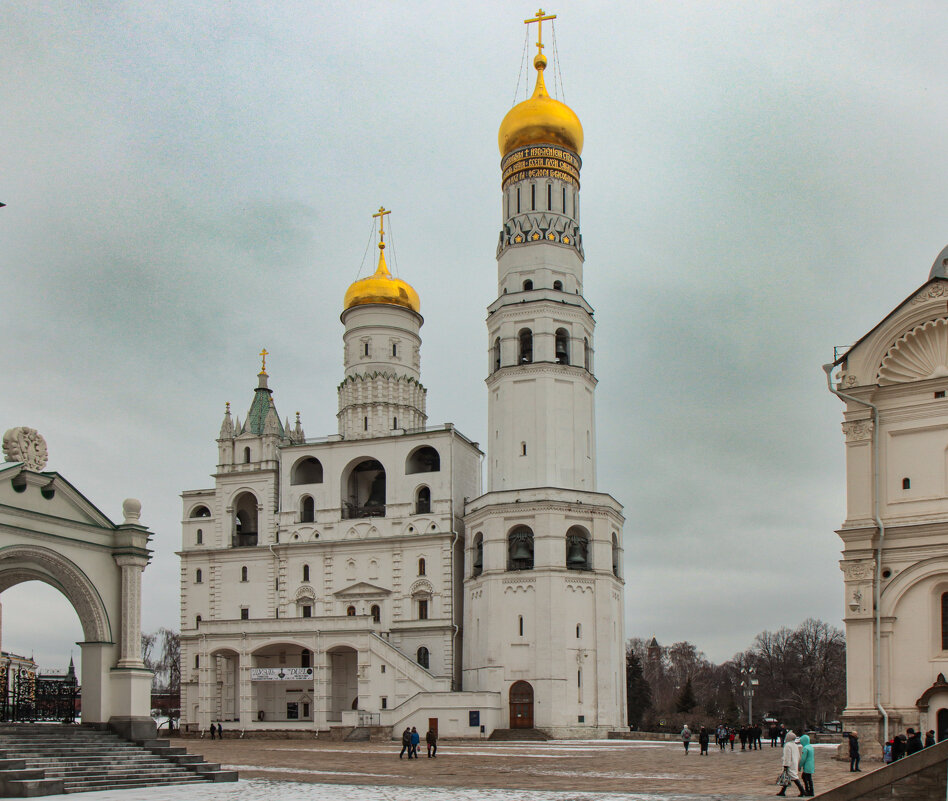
(521, 550)
(576, 555)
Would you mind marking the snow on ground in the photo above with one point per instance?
(269, 790)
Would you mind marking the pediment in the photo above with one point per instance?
(50, 495)
(361, 589)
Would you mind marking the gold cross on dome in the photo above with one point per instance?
(539, 19)
(264, 353)
(381, 215)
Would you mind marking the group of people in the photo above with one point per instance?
(411, 739)
(799, 760)
(902, 744)
(218, 730)
(748, 736)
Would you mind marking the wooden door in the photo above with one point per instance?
(433, 725)
(521, 706)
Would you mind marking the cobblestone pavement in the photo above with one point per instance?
(645, 769)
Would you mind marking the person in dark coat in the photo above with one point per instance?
(742, 734)
(914, 743)
(758, 731)
(213, 731)
(220, 732)
(703, 740)
(929, 738)
(431, 740)
(406, 743)
(783, 735)
(853, 738)
(774, 733)
(898, 747)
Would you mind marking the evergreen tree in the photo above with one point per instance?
(637, 690)
(686, 701)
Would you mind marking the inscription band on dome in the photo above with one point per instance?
(540, 161)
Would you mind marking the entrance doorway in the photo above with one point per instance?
(942, 724)
(521, 705)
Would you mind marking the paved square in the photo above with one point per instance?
(603, 766)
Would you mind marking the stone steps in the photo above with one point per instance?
(45, 759)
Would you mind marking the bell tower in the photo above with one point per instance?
(543, 606)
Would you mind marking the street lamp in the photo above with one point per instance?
(749, 683)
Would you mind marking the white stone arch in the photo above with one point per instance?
(893, 592)
(20, 563)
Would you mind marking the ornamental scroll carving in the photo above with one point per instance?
(25, 445)
(857, 571)
(933, 292)
(857, 430)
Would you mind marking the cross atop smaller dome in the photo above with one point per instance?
(382, 286)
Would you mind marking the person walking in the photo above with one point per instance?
(743, 735)
(431, 739)
(791, 763)
(220, 732)
(914, 743)
(213, 731)
(929, 738)
(721, 735)
(758, 731)
(686, 737)
(406, 743)
(898, 747)
(415, 739)
(774, 733)
(853, 738)
(703, 740)
(807, 763)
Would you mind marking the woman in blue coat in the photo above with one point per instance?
(807, 763)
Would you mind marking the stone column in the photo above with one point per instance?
(130, 653)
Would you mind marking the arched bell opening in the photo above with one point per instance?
(245, 521)
(364, 490)
(578, 551)
(520, 549)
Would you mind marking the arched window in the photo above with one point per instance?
(200, 537)
(421, 567)
(527, 285)
(586, 353)
(558, 286)
(307, 471)
(520, 624)
(307, 509)
(200, 511)
(423, 657)
(579, 630)
(615, 555)
(526, 346)
(423, 460)
(477, 563)
(376, 614)
(305, 572)
(497, 354)
(944, 621)
(351, 611)
(906, 483)
(577, 549)
(246, 455)
(422, 608)
(364, 491)
(423, 501)
(198, 576)
(562, 346)
(243, 573)
(197, 621)
(520, 549)
(245, 520)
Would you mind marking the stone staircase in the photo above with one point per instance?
(519, 734)
(41, 759)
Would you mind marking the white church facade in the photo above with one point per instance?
(893, 382)
(367, 578)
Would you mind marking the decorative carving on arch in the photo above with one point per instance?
(305, 592)
(19, 563)
(917, 355)
(421, 587)
(934, 292)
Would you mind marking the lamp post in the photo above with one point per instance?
(749, 682)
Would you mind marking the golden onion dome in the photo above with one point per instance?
(540, 120)
(382, 287)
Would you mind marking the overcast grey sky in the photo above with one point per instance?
(189, 182)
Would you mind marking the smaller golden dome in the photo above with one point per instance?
(540, 120)
(382, 287)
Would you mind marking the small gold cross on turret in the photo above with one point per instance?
(381, 215)
(539, 19)
(264, 353)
